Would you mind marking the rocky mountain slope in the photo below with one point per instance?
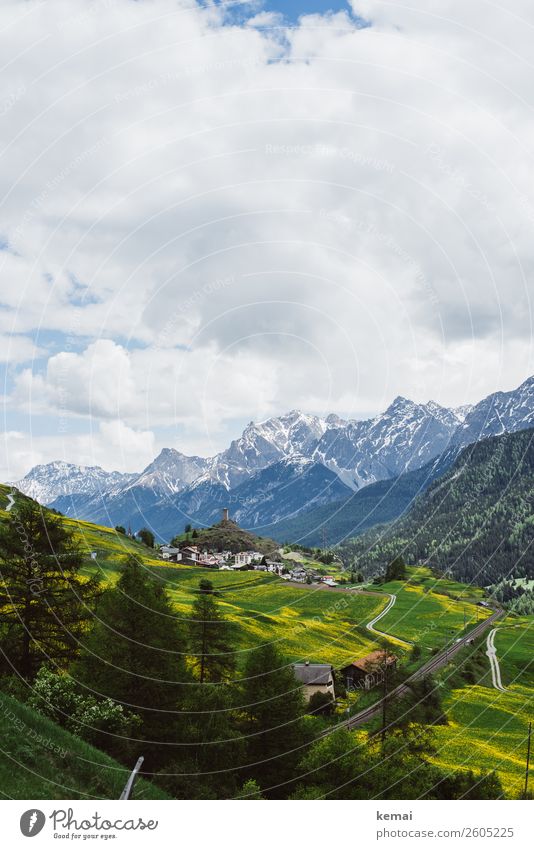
(47, 482)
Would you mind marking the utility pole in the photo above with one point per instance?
(528, 758)
(325, 540)
(384, 699)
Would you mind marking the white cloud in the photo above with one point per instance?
(15, 350)
(112, 445)
(155, 387)
(323, 219)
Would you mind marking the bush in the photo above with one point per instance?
(58, 697)
(321, 703)
(146, 537)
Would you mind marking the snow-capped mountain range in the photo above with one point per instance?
(283, 466)
(47, 482)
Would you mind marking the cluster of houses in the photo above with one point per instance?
(362, 674)
(193, 555)
(307, 576)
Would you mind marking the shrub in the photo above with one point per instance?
(321, 703)
(58, 696)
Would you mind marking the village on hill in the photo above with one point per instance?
(215, 548)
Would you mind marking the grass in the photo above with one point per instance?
(110, 547)
(430, 611)
(307, 623)
(320, 625)
(487, 728)
(41, 760)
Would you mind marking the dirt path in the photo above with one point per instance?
(494, 662)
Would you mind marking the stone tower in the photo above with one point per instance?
(225, 514)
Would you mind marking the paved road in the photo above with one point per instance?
(371, 625)
(494, 662)
(432, 665)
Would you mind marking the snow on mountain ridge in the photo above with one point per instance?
(402, 438)
(170, 472)
(46, 482)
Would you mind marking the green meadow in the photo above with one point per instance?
(307, 623)
(488, 728)
(110, 547)
(431, 611)
(318, 624)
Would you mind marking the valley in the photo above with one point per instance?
(315, 569)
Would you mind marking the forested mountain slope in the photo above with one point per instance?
(475, 521)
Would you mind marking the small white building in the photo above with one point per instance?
(315, 678)
(168, 552)
(243, 558)
(299, 575)
(275, 567)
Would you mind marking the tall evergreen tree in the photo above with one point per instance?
(274, 730)
(396, 570)
(135, 653)
(209, 762)
(209, 637)
(45, 603)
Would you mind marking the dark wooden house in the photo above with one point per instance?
(366, 672)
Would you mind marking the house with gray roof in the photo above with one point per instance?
(315, 678)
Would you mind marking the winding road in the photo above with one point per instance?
(432, 665)
(371, 625)
(494, 663)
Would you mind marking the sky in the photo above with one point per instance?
(212, 214)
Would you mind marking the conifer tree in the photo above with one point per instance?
(45, 603)
(213, 658)
(274, 730)
(135, 654)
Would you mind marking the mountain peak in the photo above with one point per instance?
(333, 420)
(400, 403)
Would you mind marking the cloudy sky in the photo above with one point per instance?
(216, 213)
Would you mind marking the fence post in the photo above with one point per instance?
(131, 781)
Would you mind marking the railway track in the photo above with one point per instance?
(432, 665)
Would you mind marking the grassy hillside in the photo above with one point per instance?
(488, 728)
(306, 622)
(327, 625)
(40, 760)
(110, 547)
(475, 521)
(431, 611)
